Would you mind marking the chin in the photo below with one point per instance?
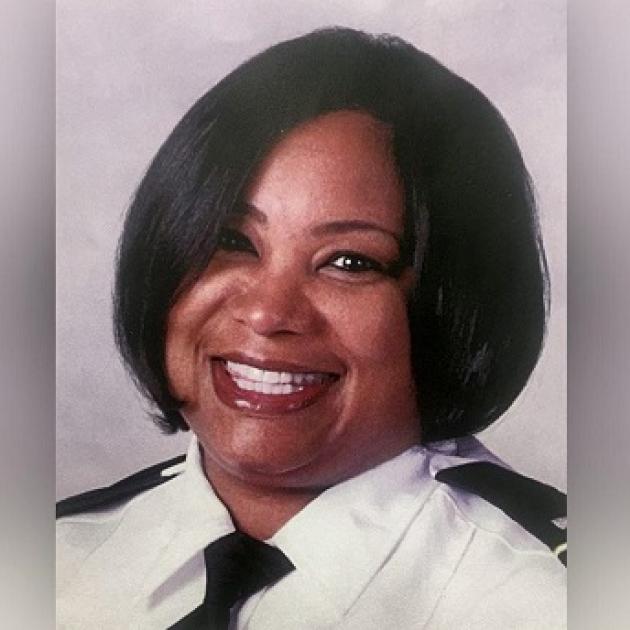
(263, 467)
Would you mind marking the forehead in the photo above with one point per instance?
(339, 163)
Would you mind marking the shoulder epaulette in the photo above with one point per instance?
(120, 491)
(532, 504)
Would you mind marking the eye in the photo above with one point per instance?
(355, 263)
(232, 240)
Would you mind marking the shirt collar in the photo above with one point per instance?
(201, 516)
(198, 517)
(345, 535)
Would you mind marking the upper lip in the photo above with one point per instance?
(276, 365)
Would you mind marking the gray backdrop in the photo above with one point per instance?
(127, 71)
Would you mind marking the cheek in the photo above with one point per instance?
(186, 323)
(179, 358)
(373, 328)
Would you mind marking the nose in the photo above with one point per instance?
(275, 305)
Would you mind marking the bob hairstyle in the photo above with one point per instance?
(477, 313)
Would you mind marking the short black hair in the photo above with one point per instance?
(478, 311)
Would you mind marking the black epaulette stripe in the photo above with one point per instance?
(532, 504)
(120, 491)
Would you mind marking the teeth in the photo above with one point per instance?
(267, 388)
(243, 384)
(251, 378)
(269, 377)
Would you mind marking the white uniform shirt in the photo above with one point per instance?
(390, 548)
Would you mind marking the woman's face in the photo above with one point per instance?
(291, 353)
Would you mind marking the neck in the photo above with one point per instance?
(258, 511)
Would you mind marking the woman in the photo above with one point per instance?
(331, 273)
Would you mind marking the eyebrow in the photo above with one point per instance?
(352, 225)
(341, 226)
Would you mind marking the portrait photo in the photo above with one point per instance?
(311, 314)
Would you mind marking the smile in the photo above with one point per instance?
(244, 386)
(271, 382)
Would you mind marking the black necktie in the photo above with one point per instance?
(237, 566)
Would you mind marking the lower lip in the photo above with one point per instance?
(232, 395)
